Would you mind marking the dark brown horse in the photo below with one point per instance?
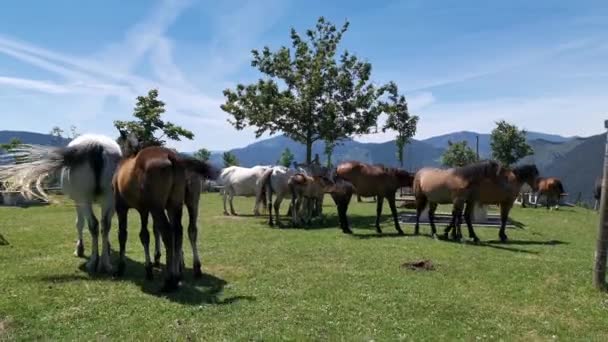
(372, 180)
(457, 186)
(153, 180)
(492, 192)
(551, 188)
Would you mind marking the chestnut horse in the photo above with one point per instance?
(373, 180)
(456, 186)
(491, 192)
(551, 188)
(153, 180)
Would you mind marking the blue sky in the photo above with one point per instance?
(462, 65)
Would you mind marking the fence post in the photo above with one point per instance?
(599, 272)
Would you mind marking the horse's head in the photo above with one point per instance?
(129, 144)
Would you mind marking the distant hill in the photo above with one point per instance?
(32, 138)
(546, 152)
(485, 150)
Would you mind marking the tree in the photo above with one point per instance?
(230, 159)
(458, 154)
(286, 158)
(12, 144)
(509, 143)
(399, 120)
(148, 112)
(57, 134)
(202, 154)
(309, 93)
(329, 151)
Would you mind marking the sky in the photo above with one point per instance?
(462, 65)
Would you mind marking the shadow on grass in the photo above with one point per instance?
(491, 245)
(193, 291)
(529, 243)
(3, 241)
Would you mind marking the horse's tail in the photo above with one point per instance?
(560, 187)
(33, 164)
(265, 184)
(203, 168)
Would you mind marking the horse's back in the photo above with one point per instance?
(438, 185)
(241, 180)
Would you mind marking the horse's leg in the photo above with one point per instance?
(504, 216)
(277, 207)
(432, 209)
(192, 206)
(157, 246)
(359, 200)
(94, 230)
(121, 213)
(458, 209)
(224, 196)
(421, 202)
(393, 206)
(107, 211)
(231, 199)
(175, 218)
(468, 212)
(379, 206)
(144, 237)
(79, 252)
(294, 210)
(161, 223)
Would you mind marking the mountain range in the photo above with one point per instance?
(575, 160)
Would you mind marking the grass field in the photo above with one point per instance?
(318, 284)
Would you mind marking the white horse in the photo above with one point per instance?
(275, 180)
(242, 181)
(87, 166)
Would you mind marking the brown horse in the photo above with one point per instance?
(374, 180)
(551, 188)
(304, 190)
(457, 186)
(153, 180)
(491, 192)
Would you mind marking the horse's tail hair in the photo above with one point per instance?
(560, 187)
(203, 168)
(33, 164)
(265, 184)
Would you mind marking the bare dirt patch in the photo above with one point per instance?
(419, 265)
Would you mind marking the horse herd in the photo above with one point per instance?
(158, 181)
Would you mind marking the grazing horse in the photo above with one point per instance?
(551, 188)
(305, 190)
(242, 181)
(275, 180)
(455, 186)
(597, 193)
(153, 180)
(87, 164)
(374, 180)
(491, 192)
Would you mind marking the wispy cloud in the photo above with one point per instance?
(42, 86)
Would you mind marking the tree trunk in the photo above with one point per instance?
(308, 152)
(599, 273)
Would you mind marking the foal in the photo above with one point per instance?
(304, 191)
(153, 180)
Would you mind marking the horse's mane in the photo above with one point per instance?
(475, 169)
(525, 171)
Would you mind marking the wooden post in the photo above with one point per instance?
(601, 249)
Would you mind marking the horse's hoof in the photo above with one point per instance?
(400, 232)
(378, 230)
(226, 213)
(92, 264)
(196, 271)
(434, 236)
(104, 267)
(171, 285)
(347, 231)
(234, 213)
(79, 252)
(475, 240)
(503, 238)
(446, 236)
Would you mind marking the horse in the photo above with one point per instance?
(314, 169)
(275, 180)
(304, 190)
(597, 193)
(552, 188)
(454, 186)
(242, 181)
(87, 165)
(491, 192)
(152, 179)
(342, 192)
(374, 180)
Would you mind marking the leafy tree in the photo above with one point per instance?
(202, 154)
(57, 134)
(13, 143)
(329, 151)
(230, 159)
(399, 120)
(509, 143)
(458, 154)
(148, 112)
(308, 93)
(286, 158)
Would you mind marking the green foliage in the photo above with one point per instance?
(309, 92)
(286, 158)
(230, 159)
(148, 112)
(57, 134)
(13, 143)
(399, 120)
(458, 154)
(537, 287)
(329, 151)
(202, 154)
(509, 143)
